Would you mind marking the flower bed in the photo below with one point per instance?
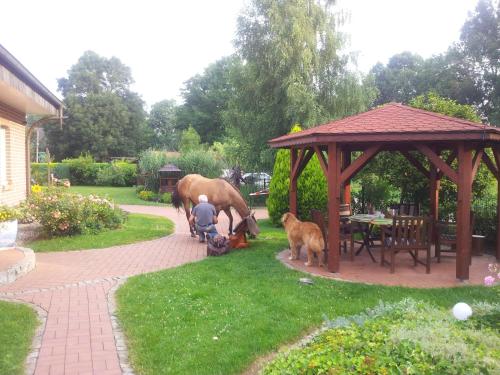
(61, 213)
(408, 337)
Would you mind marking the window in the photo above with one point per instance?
(3, 157)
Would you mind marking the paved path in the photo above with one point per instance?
(73, 288)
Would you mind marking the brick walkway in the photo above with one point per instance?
(72, 287)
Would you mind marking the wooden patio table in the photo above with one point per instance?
(365, 224)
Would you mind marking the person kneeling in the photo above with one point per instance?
(204, 218)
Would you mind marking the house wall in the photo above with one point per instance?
(15, 190)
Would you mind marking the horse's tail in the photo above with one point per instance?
(176, 198)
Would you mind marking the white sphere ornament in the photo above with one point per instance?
(462, 311)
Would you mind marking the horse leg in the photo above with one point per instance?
(230, 216)
(188, 214)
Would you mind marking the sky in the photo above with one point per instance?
(167, 42)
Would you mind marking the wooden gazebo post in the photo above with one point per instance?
(464, 188)
(346, 160)
(333, 207)
(293, 182)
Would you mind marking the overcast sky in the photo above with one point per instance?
(167, 42)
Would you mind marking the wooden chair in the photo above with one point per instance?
(318, 218)
(407, 234)
(410, 209)
(446, 235)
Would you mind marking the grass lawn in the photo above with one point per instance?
(138, 227)
(17, 327)
(218, 315)
(120, 195)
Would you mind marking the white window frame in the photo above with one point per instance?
(3, 157)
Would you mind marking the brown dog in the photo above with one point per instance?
(303, 233)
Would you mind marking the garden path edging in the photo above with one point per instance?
(20, 268)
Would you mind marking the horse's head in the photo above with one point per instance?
(253, 228)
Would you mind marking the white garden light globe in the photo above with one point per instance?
(462, 311)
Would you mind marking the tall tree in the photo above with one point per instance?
(293, 72)
(162, 121)
(105, 118)
(205, 99)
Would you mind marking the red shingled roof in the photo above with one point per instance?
(390, 119)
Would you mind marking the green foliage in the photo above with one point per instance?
(376, 190)
(83, 170)
(150, 161)
(163, 121)
(61, 213)
(166, 198)
(434, 103)
(205, 98)
(39, 172)
(311, 187)
(8, 213)
(119, 195)
(202, 162)
(408, 337)
(190, 140)
(136, 228)
(104, 117)
(118, 173)
(294, 72)
(147, 195)
(17, 328)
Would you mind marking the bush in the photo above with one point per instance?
(202, 162)
(311, 187)
(147, 195)
(61, 213)
(150, 161)
(39, 172)
(83, 170)
(117, 174)
(25, 213)
(405, 338)
(139, 188)
(8, 214)
(166, 198)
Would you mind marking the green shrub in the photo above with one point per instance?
(8, 213)
(26, 215)
(311, 187)
(150, 161)
(139, 188)
(166, 198)
(405, 338)
(147, 195)
(117, 174)
(61, 213)
(202, 162)
(39, 172)
(83, 170)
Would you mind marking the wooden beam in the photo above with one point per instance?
(476, 161)
(438, 162)
(415, 163)
(434, 183)
(359, 163)
(308, 153)
(496, 153)
(451, 157)
(333, 207)
(346, 161)
(293, 183)
(489, 163)
(464, 238)
(322, 160)
(296, 164)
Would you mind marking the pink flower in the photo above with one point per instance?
(492, 267)
(489, 280)
(56, 214)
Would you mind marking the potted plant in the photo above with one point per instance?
(8, 226)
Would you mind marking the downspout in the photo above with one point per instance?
(27, 143)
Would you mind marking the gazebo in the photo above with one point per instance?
(397, 128)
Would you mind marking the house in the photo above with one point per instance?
(21, 93)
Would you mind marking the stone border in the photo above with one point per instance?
(36, 343)
(120, 340)
(19, 269)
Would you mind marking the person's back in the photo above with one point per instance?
(204, 213)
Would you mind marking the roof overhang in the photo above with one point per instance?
(321, 139)
(21, 90)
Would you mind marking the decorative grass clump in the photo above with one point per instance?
(408, 337)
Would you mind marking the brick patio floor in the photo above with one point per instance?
(72, 287)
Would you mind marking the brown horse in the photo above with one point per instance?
(220, 193)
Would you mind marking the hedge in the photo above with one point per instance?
(39, 172)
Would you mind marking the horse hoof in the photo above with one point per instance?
(307, 264)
